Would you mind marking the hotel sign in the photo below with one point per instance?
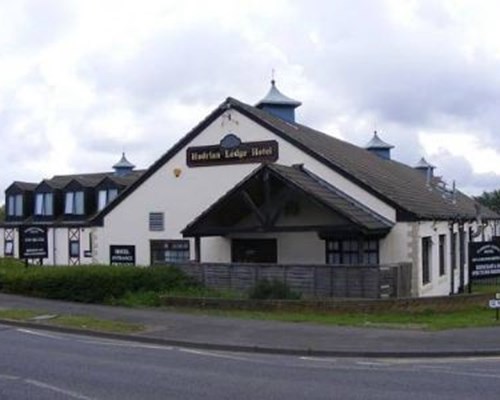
(484, 259)
(33, 242)
(232, 150)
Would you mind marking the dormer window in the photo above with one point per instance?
(15, 205)
(74, 203)
(106, 196)
(44, 204)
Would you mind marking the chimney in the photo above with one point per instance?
(378, 147)
(278, 104)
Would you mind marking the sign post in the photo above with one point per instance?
(495, 304)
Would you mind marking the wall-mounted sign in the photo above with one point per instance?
(33, 242)
(232, 150)
(121, 255)
(484, 259)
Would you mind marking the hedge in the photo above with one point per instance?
(89, 284)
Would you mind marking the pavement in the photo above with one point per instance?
(231, 334)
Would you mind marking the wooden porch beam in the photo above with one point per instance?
(261, 217)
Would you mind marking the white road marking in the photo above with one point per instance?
(372, 363)
(42, 334)
(210, 354)
(126, 344)
(9, 377)
(69, 393)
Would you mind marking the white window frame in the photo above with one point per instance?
(74, 203)
(44, 204)
(9, 248)
(106, 196)
(15, 205)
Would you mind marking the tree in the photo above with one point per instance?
(2, 213)
(490, 200)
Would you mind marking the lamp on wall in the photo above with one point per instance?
(177, 172)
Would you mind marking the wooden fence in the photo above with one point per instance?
(341, 281)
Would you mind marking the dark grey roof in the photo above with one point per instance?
(398, 184)
(275, 97)
(303, 181)
(401, 186)
(92, 179)
(25, 186)
(377, 143)
(332, 197)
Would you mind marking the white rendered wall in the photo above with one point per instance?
(293, 248)
(441, 285)
(397, 245)
(183, 198)
(2, 243)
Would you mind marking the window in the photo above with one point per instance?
(426, 259)
(156, 221)
(370, 252)
(442, 255)
(74, 203)
(105, 197)
(9, 248)
(169, 251)
(352, 251)
(44, 204)
(453, 246)
(254, 250)
(15, 205)
(74, 248)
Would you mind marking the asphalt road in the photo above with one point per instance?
(40, 365)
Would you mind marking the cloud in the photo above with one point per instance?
(80, 82)
(458, 169)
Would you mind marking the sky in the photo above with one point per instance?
(82, 81)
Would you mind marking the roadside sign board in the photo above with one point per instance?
(33, 242)
(122, 255)
(484, 259)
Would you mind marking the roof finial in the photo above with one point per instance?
(273, 81)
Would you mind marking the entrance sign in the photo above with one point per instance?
(33, 242)
(494, 303)
(484, 259)
(232, 150)
(122, 255)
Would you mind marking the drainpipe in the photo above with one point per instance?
(197, 249)
(53, 246)
(461, 239)
(453, 259)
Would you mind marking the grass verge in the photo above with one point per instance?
(427, 320)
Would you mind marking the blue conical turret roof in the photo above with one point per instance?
(275, 97)
(377, 143)
(123, 167)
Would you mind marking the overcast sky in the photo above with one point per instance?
(81, 81)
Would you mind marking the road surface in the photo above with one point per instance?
(40, 365)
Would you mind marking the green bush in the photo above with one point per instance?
(91, 284)
(275, 289)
